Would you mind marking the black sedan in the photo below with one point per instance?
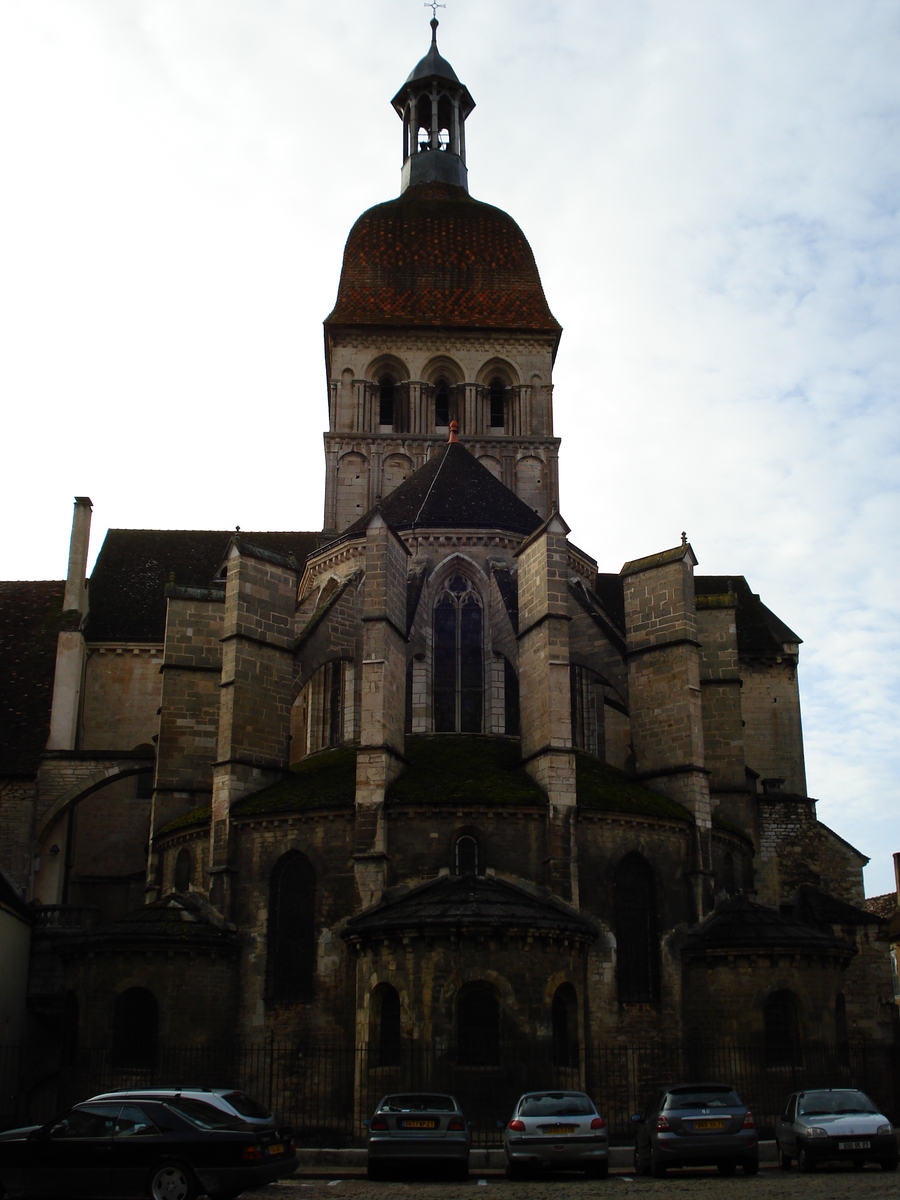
(171, 1148)
(693, 1125)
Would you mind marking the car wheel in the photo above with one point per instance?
(514, 1172)
(462, 1172)
(172, 1181)
(638, 1166)
(750, 1166)
(784, 1160)
(374, 1170)
(657, 1168)
(858, 1164)
(727, 1167)
(597, 1170)
(889, 1164)
(804, 1162)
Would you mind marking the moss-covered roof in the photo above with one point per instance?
(197, 816)
(603, 788)
(464, 769)
(720, 822)
(324, 780)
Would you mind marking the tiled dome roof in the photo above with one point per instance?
(436, 258)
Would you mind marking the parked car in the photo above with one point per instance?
(834, 1123)
(421, 1128)
(169, 1148)
(561, 1130)
(232, 1101)
(692, 1125)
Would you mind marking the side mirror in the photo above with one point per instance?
(471, 1124)
(501, 1124)
(35, 1135)
(636, 1117)
(366, 1122)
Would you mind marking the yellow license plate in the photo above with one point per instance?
(278, 1148)
(552, 1130)
(707, 1126)
(418, 1124)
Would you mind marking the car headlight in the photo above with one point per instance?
(885, 1129)
(816, 1131)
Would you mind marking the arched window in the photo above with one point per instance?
(135, 1028)
(466, 855)
(386, 401)
(637, 940)
(445, 122)
(782, 1030)
(497, 394)
(442, 403)
(728, 879)
(183, 870)
(388, 1014)
(511, 699)
(291, 933)
(423, 123)
(586, 698)
(478, 1026)
(458, 658)
(565, 1026)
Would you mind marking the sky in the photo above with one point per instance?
(711, 192)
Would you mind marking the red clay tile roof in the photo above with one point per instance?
(436, 258)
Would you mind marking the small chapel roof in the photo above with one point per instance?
(470, 904)
(453, 490)
(740, 924)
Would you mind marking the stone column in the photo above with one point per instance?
(70, 653)
(255, 702)
(664, 692)
(381, 743)
(544, 694)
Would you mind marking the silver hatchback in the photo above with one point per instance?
(560, 1130)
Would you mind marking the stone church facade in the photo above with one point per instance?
(429, 772)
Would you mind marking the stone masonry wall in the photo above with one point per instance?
(122, 694)
(773, 735)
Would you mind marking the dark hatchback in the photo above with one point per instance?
(694, 1125)
(171, 1148)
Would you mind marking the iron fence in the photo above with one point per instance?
(326, 1091)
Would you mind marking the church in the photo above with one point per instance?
(428, 773)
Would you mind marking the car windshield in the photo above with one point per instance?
(417, 1103)
(556, 1104)
(247, 1107)
(704, 1098)
(823, 1103)
(207, 1116)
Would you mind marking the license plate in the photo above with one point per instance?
(553, 1130)
(707, 1126)
(419, 1124)
(854, 1145)
(278, 1148)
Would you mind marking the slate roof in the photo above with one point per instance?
(453, 491)
(469, 905)
(759, 631)
(884, 907)
(127, 586)
(741, 925)
(175, 920)
(819, 908)
(31, 617)
(436, 258)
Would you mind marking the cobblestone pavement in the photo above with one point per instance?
(838, 1183)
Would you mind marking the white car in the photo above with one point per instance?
(825, 1124)
(559, 1130)
(231, 1100)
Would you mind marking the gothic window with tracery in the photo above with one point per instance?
(458, 658)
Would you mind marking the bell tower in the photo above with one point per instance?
(433, 106)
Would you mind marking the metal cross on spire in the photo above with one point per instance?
(434, 6)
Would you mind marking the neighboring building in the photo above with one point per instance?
(428, 772)
(887, 908)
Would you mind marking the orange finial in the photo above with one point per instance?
(454, 430)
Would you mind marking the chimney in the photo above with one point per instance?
(76, 591)
(897, 874)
